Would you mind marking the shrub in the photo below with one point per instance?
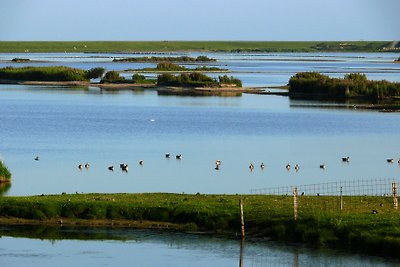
(112, 76)
(95, 73)
(230, 80)
(138, 78)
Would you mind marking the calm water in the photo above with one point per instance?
(69, 126)
(145, 248)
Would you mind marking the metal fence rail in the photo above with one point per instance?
(372, 187)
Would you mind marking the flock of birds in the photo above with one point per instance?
(124, 166)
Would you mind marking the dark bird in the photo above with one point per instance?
(346, 159)
(389, 160)
(288, 167)
(37, 158)
(262, 165)
(111, 168)
(322, 166)
(141, 162)
(297, 167)
(251, 167)
(167, 155)
(179, 156)
(125, 168)
(80, 166)
(87, 166)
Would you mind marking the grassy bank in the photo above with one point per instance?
(171, 46)
(319, 223)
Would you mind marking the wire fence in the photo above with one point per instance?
(372, 187)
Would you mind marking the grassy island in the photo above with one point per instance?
(171, 67)
(58, 74)
(319, 222)
(313, 85)
(196, 79)
(5, 174)
(165, 59)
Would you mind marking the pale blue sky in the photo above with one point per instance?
(199, 20)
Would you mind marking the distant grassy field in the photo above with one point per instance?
(320, 221)
(172, 46)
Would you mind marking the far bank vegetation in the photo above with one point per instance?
(168, 66)
(165, 59)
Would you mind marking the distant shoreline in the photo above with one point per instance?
(194, 46)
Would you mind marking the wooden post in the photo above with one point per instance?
(241, 217)
(341, 198)
(295, 203)
(241, 253)
(394, 193)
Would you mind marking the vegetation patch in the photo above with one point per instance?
(196, 79)
(165, 59)
(59, 74)
(114, 77)
(314, 85)
(17, 59)
(167, 66)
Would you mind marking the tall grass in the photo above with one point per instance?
(354, 85)
(43, 74)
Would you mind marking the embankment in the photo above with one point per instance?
(318, 224)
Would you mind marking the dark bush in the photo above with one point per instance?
(94, 73)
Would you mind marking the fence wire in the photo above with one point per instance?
(371, 187)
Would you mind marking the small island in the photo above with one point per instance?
(55, 74)
(17, 59)
(5, 174)
(171, 67)
(165, 59)
(313, 85)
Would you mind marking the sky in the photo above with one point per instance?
(152, 20)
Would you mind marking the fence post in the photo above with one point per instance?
(394, 193)
(295, 203)
(241, 217)
(341, 198)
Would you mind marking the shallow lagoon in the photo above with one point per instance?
(68, 126)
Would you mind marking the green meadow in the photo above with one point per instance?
(206, 46)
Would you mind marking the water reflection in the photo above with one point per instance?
(4, 188)
(116, 247)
